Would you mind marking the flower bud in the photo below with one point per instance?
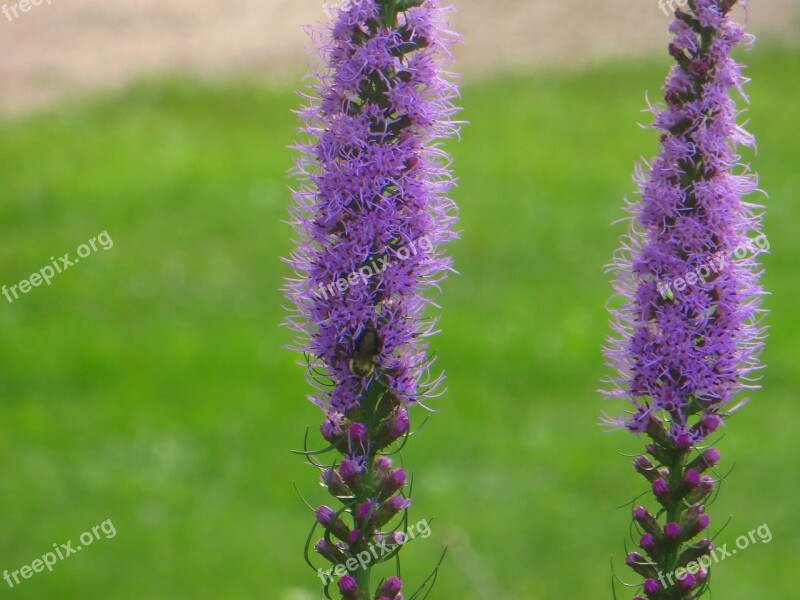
(390, 508)
(365, 512)
(392, 484)
(708, 459)
(695, 551)
(350, 471)
(335, 484)
(659, 453)
(330, 552)
(358, 434)
(655, 429)
(391, 587)
(697, 67)
(348, 588)
(353, 538)
(686, 583)
(660, 489)
(647, 521)
(703, 489)
(693, 521)
(689, 482)
(651, 588)
(381, 468)
(396, 538)
(645, 468)
(672, 531)
(393, 427)
(649, 544)
(638, 563)
(683, 442)
(331, 428)
(707, 424)
(331, 522)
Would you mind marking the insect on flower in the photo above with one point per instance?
(368, 348)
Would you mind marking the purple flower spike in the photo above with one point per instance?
(372, 216)
(688, 331)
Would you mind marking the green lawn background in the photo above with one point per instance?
(148, 384)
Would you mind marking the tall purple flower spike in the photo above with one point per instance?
(687, 333)
(372, 214)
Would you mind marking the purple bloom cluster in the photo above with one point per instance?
(372, 213)
(684, 351)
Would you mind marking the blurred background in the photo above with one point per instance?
(148, 384)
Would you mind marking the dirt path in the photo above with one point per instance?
(68, 46)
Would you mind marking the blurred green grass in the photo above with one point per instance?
(148, 384)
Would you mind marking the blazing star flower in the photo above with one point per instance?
(372, 214)
(687, 333)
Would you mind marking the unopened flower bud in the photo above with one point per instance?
(659, 453)
(660, 489)
(335, 484)
(645, 468)
(686, 583)
(365, 512)
(703, 489)
(358, 434)
(391, 588)
(394, 427)
(350, 471)
(390, 508)
(672, 531)
(647, 521)
(708, 424)
(651, 588)
(331, 522)
(330, 552)
(649, 544)
(638, 563)
(696, 551)
(693, 521)
(381, 468)
(708, 459)
(393, 483)
(683, 442)
(348, 588)
(331, 428)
